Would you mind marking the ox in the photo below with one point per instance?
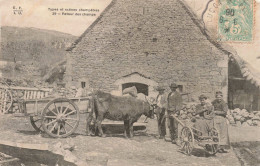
(118, 108)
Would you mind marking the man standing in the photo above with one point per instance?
(174, 105)
(161, 103)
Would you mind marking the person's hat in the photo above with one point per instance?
(160, 88)
(219, 93)
(173, 85)
(202, 97)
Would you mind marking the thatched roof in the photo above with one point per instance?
(248, 72)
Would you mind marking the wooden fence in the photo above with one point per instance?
(31, 93)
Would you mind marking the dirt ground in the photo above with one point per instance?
(144, 149)
(246, 144)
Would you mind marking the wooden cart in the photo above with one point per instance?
(57, 117)
(190, 136)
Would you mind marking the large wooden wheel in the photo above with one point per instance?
(36, 122)
(6, 99)
(212, 148)
(60, 117)
(187, 140)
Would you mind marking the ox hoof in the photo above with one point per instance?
(126, 136)
(103, 136)
(90, 134)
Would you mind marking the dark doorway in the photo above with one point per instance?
(141, 88)
(241, 92)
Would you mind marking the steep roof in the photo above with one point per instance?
(73, 45)
(248, 72)
(185, 6)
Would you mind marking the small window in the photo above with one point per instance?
(83, 84)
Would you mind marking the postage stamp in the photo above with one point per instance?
(236, 20)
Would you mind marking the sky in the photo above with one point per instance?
(36, 14)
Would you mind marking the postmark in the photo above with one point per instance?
(236, 20)
(210, 15)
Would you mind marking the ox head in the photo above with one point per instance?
(152, 107)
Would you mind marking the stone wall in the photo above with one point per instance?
(157, 39)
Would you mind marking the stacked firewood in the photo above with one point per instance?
(243, 117)
(187, 111)
(238, 117)
(62, 92)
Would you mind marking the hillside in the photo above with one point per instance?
(30, 52)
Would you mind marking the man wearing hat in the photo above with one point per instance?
(220, 110)
(161, 103)
(174, 105)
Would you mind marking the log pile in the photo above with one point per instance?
(238, 117)
(62, 92)
(241, 117)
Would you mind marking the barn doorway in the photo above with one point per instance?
(241, 92)
(141, 88)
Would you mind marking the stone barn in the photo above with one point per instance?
(144, 43)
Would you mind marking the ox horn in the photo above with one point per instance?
(148, 100)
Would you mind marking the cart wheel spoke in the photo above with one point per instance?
(186, 148)
(184, 133)
(71, 119)
(63, 121)
(70, 113)
(36, 123)
(183, 146)
(54, 126)
(190, 138)
(213, 148)
(56, 107)
(61, 107)
(51, 122)
(69, 124)
(50, 117)
(189, 148)
(187, 139)
(53, 112)
(65, 129)
(66, 109)
(58, 133)
(36, 119)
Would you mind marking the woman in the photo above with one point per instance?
(220, 123)
(204, 123)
